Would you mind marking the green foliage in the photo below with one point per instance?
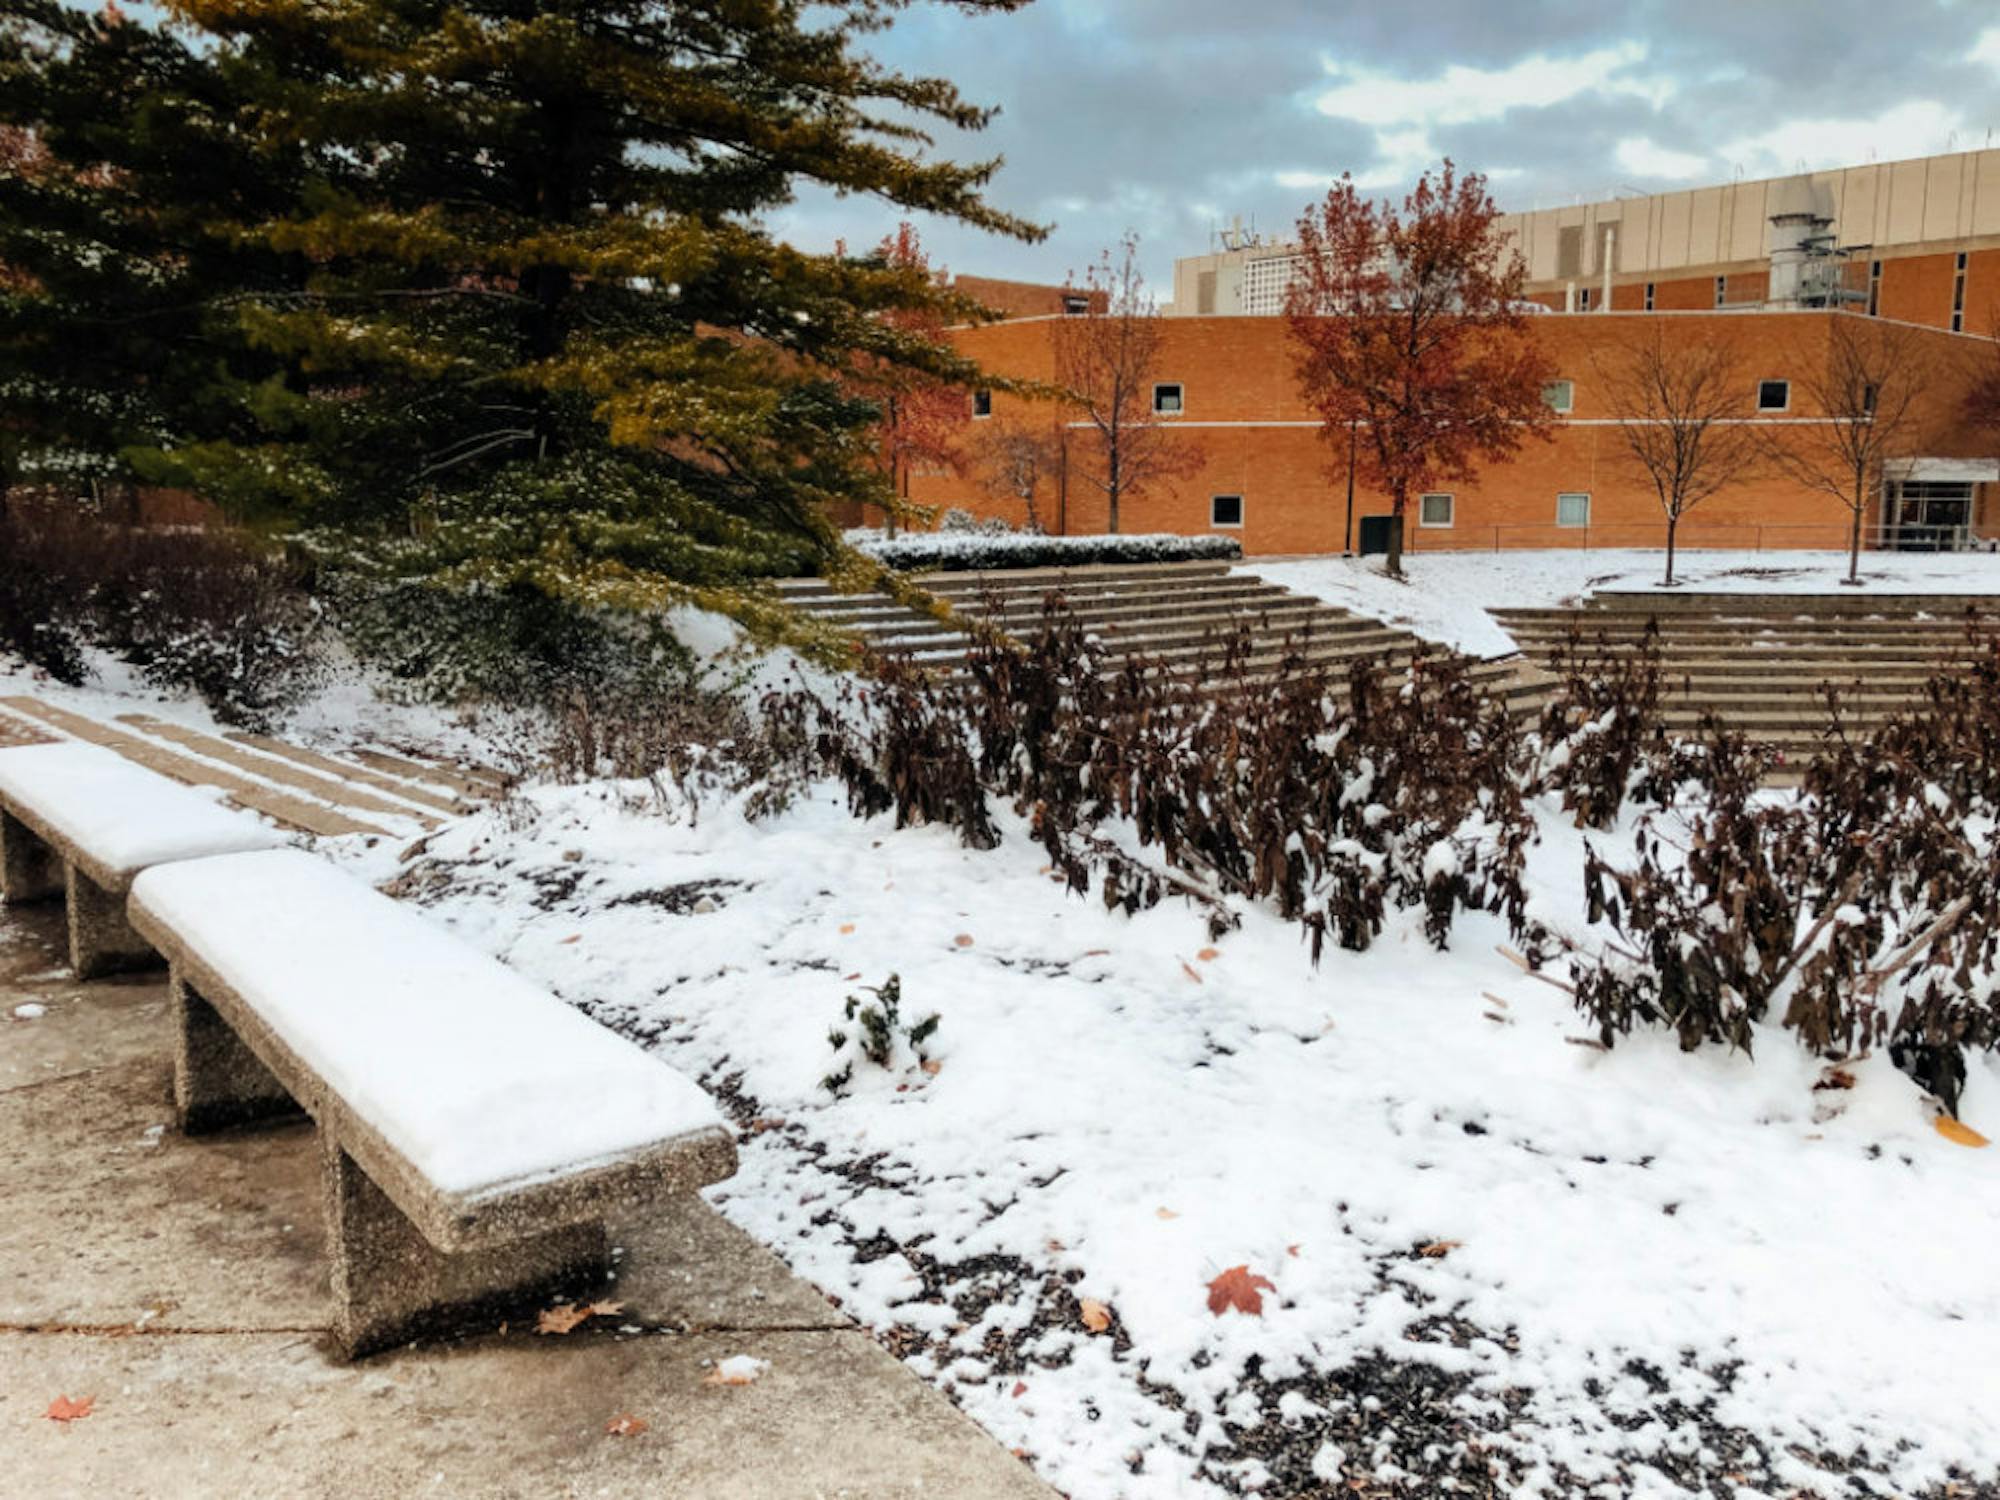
(479, 294)
(880, 1035)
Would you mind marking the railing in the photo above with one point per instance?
(1830, 536)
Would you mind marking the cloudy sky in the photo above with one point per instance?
(1170, 117)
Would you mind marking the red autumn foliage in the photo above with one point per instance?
(1411, 337)
(1237, 1288)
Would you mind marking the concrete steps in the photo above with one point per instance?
(1763, 666)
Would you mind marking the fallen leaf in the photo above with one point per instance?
(1165, 1213)
(1096, 952)
(563, 1319)
(1096, 1315)
(766, 1122)
(850, 978)
(574, 937)
(1292, 1251)
(62, 1409)
(1834, 1078)
(1438, 1249)
(1237, 1288)
(931, 1066)
(1964, 1135)
(1020, 1389)
(626, 1425)
(1209, 955)
(845, 928)
(1188, 969)
(964, 940)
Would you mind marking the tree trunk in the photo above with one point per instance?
(1673, 525)
(1111, 494)
(1392, 562)
(1854, 547)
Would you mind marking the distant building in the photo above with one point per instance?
(1266, 474)
(1917, 241)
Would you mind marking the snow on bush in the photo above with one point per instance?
(961, 551)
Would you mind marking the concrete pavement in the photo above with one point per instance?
(180, 1284)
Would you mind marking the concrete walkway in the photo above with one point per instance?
(180, 1284)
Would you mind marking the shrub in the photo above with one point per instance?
(1602, 724)
(195, 610)
(959, 551)
(880, 1036)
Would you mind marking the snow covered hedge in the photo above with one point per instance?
(966, 551)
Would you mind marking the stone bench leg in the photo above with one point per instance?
(391, 1285)
(29, 869)
(101, 941)
(218, 1081)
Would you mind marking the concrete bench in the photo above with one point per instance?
(80, 821)
(475, 1130)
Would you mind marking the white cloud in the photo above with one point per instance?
(1987, 48)
(1642, 157)
(1918, 128)
(1463, 95)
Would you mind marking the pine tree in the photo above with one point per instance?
(118, 335)
(545, 343)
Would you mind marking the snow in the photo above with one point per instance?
(470, 1071)
(119, 814)
(1447, 594)
(30, 1011)
(1686, 1214)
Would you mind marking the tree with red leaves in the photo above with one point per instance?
(1410, 334)
(923, 419)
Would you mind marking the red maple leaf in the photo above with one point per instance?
(1237, 1288)
(62, 1409)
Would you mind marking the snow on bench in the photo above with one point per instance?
(82, 821)
(475, 1130)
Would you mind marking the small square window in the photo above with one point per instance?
(1572, 510)
(1583, 300)
(1225, 510)
(1167, 400)
(1434, 510)
(1075, 307)
(1560, 395)
(1774, 395)
(982, 403)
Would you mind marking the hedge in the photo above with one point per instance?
(962, 552)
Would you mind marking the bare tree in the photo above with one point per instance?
(1867, 389)
(1106, 360)
(1681, 409)
(1017, 461)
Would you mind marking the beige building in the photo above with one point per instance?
(1917, 240)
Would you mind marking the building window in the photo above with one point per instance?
(982, 403)
(1075, 307)
(1874, 288)
(1961, 261)
(1167, 400)
(1572, 510)
(1560, 395)
(1434, 510)
(1583, 300)
(1649, 296)
(1721, 290)
(1225, 510)
(1958, 296)
(1868, 394)
(1774, 395)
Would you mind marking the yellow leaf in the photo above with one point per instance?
(626, 1425)
(1438, 1249)
(1963, 1135)
(1096, 1315)
(1165, 1213)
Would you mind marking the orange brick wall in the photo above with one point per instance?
(1236, 372)
(1020, 299)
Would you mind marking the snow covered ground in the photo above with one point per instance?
(1478, 1241)
(1484, 1258)
(1447, 594)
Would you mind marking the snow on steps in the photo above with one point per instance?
(364, 792)
(1176, 613)
(1764, 664)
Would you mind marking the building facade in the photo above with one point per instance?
(1917, 241)
(1261, 468)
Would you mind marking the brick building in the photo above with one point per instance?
(1264, 471)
